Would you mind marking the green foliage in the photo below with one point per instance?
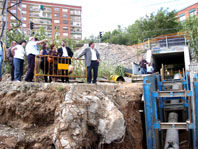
(41, 34)
(106, 70)
(119, 71)
(15, 34)
(70, 43)
(191, 27)
(163, 22)
(60, 88)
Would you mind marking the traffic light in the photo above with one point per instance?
(31, 25)
(100, 34)
(42, 7)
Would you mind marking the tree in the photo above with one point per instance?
(150, 26)
(16, 35)
(191, 27)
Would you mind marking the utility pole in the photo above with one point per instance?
(21, 18)
(16, 15)
(6, 22)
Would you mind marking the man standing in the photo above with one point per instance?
(92, 58)
(31, 51)
(10, 59)
(142, 64)
(2, 56)
(18, 52)
(149, 68)
(66, 54)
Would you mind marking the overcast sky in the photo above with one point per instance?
(106, 15)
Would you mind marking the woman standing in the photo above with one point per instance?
(53, 60)
(18, 52)
(44, 62)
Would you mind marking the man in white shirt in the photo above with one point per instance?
(92, 58)
(31, 51)
(18, 53)
(149, 68)
(66, 54)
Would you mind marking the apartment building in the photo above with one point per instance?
(64, 20)
(188, 11)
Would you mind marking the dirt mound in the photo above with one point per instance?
(27, 114)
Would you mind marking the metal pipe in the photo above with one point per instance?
(172, 135)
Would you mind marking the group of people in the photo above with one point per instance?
(145, 67)
(15, 55)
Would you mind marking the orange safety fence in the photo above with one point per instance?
(54, 66)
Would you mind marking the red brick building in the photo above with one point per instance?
(188, 11)
(63, 19)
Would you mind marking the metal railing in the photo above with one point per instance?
(58, 67)
(170, 40)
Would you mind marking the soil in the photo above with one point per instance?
(27, 114)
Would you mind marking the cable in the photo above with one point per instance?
(160, 3)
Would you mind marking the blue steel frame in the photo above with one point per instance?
(151, 85)
(195, 83)
(150, 115)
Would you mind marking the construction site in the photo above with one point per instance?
(134, 111)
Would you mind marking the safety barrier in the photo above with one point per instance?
(58, 67)
(168, 40)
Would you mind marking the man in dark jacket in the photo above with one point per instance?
(143, 64)
(66, 54)
(92, 58)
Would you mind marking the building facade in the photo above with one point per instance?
(186, 12)
(60, 19)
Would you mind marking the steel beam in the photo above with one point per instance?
(178, 93)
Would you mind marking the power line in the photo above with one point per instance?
(160, 3)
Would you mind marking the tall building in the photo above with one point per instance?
(64, 20)
(188, 11)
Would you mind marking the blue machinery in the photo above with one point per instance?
(157, 98)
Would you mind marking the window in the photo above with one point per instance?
(23, 19)
(12, 4)
(75, 12)
(65, 10)
(65, 16)
(56, 21)
(57, 34)
(24, 6)
(56, 9)
(49, 28)
(12, 18)
(76, 36)
(49, 9)
(24, 12)
(13, 11)
(192, 12)
(182, 17)
(24, 25)
(65, 28)
(56, 15)
(75, 23)
(57, 27)
(65, 22)
(48, 15)
(65, 34)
